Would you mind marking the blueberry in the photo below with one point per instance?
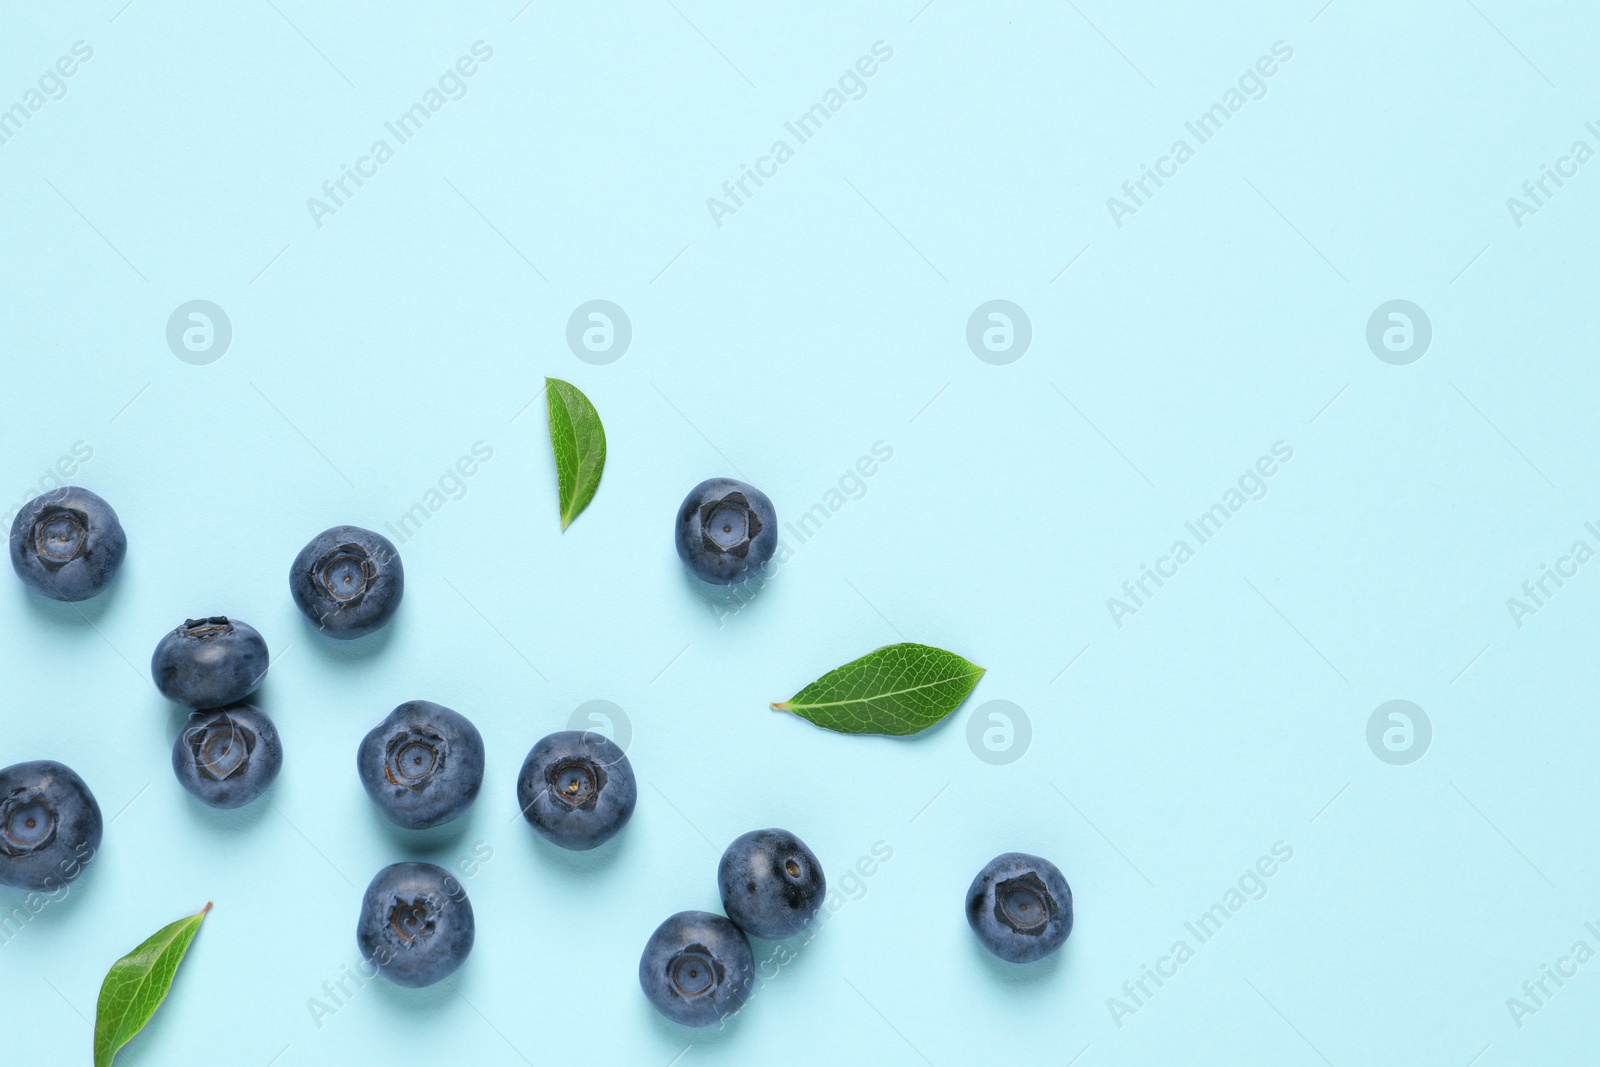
(577, 789)
(67, 544)
(1020, 907)
(726, 531)
(348, 581)
(697, 968)
(422, 765)
(227, 757)
(50, 826)
(416, 924)
(772, 885)
(206, 663)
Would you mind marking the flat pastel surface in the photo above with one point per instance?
(1209, 520)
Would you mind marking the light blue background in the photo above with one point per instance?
(827, 314)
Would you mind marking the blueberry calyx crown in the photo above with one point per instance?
(27, 822)
(345, 572)
(414, 757)
(577, 783)
(1023, 904)
(694, 972)
(59, 535)
(411, 921)
(221, 748)
(206, 629)
(729, 525)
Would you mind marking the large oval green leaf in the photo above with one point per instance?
(579, 443)
(137, 984)
(898, 689)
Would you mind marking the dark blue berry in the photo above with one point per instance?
(348, 581)
(206, 663)
(50, 825)
(577, 789)
(227, 757)
(1020, 907)
(726, 531)
(697, 968)
(422, 765)
(772, 885)
(416, 924)
(67, 544)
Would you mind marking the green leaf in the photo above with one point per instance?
(899, 689)
(137, 984)
(579, 442)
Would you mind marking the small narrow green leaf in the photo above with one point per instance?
(898, 689)
(579, 442)
(137, 984)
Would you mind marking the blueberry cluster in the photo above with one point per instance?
(423, 766)
(228, 752)
(66, 544)
(698, 968)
